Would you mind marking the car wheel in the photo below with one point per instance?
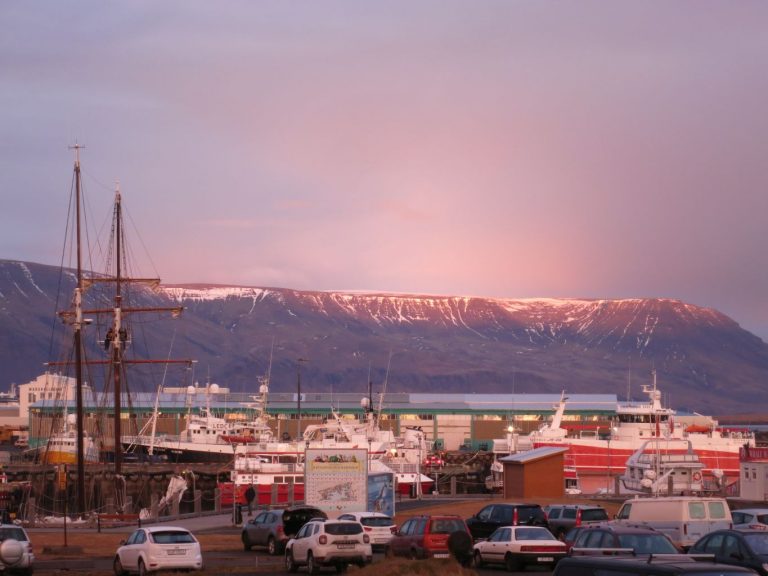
(271, 546)
(412, 555)
(117, 566)
(312, 568)
(246, 542)
(142, 568)
(478, 560)
(290, 563)
(512, 564)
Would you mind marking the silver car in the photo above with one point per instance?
(16, 556)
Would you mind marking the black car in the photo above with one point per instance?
(619, 539)
(273, 528)
(678, 565)
(483, 524)
(747, 548)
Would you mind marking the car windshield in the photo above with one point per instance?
(341, 529)
(172, 537)
(758, 542)
(377, 521)
(533, 534)
(647, 543)
(446, 526)
(13, 533)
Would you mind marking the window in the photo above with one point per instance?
(624, 512)
(697, 511)
(716, 510)
(343, 529)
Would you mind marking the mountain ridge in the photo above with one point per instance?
(438, 343)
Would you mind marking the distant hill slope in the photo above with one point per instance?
(704, 360)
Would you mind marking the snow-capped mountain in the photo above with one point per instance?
(703, 359)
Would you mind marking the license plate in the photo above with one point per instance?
(345, 546)
(441, 555)
(545, 559)
(176, 552)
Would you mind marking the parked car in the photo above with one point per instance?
(158, 548)
(563, 517)
(684, 519)
(747, 548)
(16, 553)
(618, 539)
(570, 537)
(493, 516)
(378, 526)
(425, 536)
(750, 518)
(519, 546)
(651, 566)
(328, 543)
(273, 528)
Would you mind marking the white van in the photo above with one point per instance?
(684, 519)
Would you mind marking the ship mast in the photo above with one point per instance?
(78, 343)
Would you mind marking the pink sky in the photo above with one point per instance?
(513, 149)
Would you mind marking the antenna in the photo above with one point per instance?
(384, 388)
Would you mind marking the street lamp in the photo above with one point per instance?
(298, 387)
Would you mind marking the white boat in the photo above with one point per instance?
(206, 436)
(658, 467)
(279, 465)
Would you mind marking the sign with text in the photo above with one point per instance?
(336, 479)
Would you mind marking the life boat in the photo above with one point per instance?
(698, 428)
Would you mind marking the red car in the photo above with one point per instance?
(427, 536)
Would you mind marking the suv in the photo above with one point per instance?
(273, 528)
(619, 539)
(563, 517)
(482, 524)
(16, 555)
(680, 565)
(427, 536)
(378, 526)
(328, 543)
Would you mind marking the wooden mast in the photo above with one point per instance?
(78, 343)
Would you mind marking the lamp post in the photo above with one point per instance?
(298, 387)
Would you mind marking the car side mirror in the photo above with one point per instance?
(123, 542)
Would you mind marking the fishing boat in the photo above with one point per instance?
(600, 454)
(659, 467)
(206, 436)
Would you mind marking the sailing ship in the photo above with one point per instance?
(101, 322)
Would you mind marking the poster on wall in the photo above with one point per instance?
(335, 480)
(381, 493)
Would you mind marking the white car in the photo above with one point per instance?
(16, 555)
(378, 526)
(519, 546)
(158, 548)
(328, 543)
(754, 518)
